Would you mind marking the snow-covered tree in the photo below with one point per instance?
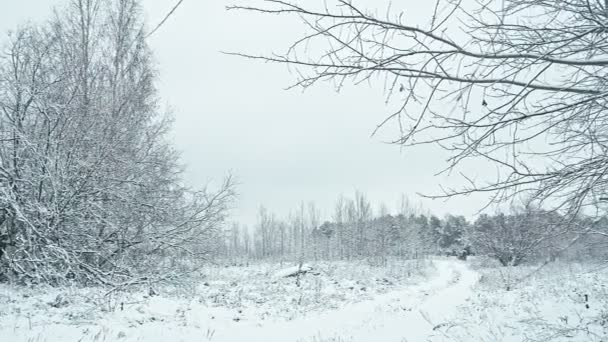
(516, 237)
(89, 184)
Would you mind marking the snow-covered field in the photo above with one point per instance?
(442, 300)
(225, 304)
(557, 302)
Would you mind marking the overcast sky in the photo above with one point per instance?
(283, 146)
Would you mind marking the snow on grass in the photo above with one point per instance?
(558, 302)
(339, 301)
(412, 313)
(255, 288)
(293, 271)
(226, 298)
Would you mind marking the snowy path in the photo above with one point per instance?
(406, 315)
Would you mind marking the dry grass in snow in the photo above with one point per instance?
(226, 297)
(558, 302)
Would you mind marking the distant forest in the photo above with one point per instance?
(357, 231)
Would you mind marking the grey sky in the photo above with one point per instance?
(283, 146)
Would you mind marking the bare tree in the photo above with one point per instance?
(88, 182)
(363, 211)
(382, 230)
(514, 238)
(520, 84)
(338, 217)
(313, 220)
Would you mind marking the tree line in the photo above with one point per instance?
(517, 84)
(355, 231)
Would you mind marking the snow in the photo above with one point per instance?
(394, 316)
(450, 301)
(229, 305)
(528, 303)
(292, 271)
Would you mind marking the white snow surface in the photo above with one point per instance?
(290, 271)
(410, 313)
(558, 302)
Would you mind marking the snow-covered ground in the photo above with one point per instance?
(557, 302)
(410, 313)
(228, 304)
(446, 300)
